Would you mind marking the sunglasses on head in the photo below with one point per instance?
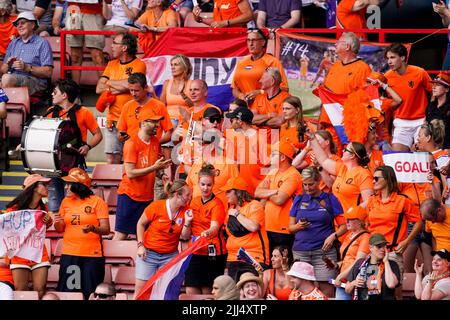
(103, 295)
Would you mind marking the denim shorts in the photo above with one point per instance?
(146, 267)
(112, 143)
(314, 258)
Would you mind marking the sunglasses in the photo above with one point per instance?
(380, 246)
(171, 227)
(349, 151)
(214, 119)
(103, 295)
(376, 179)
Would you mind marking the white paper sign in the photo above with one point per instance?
(409, 166)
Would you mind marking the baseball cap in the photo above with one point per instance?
(285, 148)
(248, 276)
(27, 15)
(443, 253)
(302, 270)
(33, 179)
(212, 113)
(376, 239)
(236, 183)
(443, 79)
(241, 113)
(357, 212)
(148, 114)
(78, 175)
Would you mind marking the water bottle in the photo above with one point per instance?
(363, 274)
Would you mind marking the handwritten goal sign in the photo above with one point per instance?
(408, 166)
(22, 234)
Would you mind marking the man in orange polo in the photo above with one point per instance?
(140, 166)
(198, 93)
(278, 189)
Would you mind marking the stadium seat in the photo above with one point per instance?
(53, 277)
(58, 251)
(107, 175)
(185, 296)
(409, 280)
(48, 245)
(121, 296)
(120, 252)
(18, 107)
(189, 21)
(124, 278)
(26, 295)
(69, 295)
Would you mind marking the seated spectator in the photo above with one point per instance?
(104, 291)
(227, 13)
(6, 280)
(29, 59)
(7, 29)
(224, 288)
(50, 296)
(183, 7)
(59, 17)
(301, 278)
(120, 14)
(436, 285)
(279, 14)
(375, 277)
(437, 221)
(251, 287)
(41, 9)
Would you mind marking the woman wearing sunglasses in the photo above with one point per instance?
(227, 13)
(35, 188)
(161, 226)
(84, 219)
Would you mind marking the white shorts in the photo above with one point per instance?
(406, 131)
(33, 267)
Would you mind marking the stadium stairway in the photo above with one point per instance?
(13, 179)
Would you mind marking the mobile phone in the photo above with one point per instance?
(123, 133)
(304, 220)
(329, 263)
(211, 250)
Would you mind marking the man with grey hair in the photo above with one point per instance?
(266, 108)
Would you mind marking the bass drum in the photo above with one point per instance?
(47, 147)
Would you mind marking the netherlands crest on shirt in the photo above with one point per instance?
(179, 221)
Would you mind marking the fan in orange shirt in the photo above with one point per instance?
(351, 14)
(375, 155)
(35, 188)
(437, 221)
(84, 219)
(209, 215)
(7, 29)
(293, 129)
(227, 13)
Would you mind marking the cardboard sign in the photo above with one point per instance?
(409, 166)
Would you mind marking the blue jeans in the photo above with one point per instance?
(56, 194)
(146, 267)
(342, 295)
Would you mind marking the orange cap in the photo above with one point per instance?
(357, 212)
(443, 79)
(148, 114)
(285, 148)
(236, 183)
(78, 175)
(33, 179)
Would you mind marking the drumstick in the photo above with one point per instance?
(69, 146)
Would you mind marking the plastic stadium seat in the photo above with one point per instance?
(124, 278)
(120, 252)
(121, 296)
(53, 277)
(409, 280)
(189, 21)
(57, 251)
(185, 296)
(107, 175)
(69, 295)
(17, 107)
(26, 295)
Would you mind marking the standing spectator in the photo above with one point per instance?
(437, 221)
(245, 227)
(161, 226)
(59, 17)
(277, 190)
(375, 155)
(7, 29)
(301, 277)
(224, 288)
(141, 163)
(6, 280)
(41, 9)
(249, 70)
(83, 218)
(227, 13)
(436, 285)
(29, 59)
(351, 14)
(439, 105)
(120, 14)
(312, 218)
(412, 84)
(276, 282)
(314, 13)
(35, 188)
(90, 17)
(114, 81)
(444, 12)
(279, 14)
(251, 287)
(293, 128)
(375, 277)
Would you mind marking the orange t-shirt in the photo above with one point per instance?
(129, 123)
(78, 213)
(248, 72)
(383, 129)
(158, 237)
(440, 231)
(349, 183)
(143, 155)
(346, 18)
(323, 186)
(413, 87)
(85, 120)
(226, 10)
(88, 8)
(146, 39)
(289, 182)
(116, 70)
(255, 243)
(360, 244)
(175, 101)
(264, 105)
(376, 160)
(290, 134)
(7, 33)
(204, 213)
(418, 192)
(383, 217)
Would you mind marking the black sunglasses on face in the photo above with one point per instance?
(103, 295)
(213, 119)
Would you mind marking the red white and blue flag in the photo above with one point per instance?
(166, 283)
(213, 53)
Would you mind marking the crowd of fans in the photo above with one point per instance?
(319, 219)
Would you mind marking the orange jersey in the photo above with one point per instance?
(349, 183)
(116, 70)
(77, 214)
(413, 87)
(440, 231)
(175, 101)
(264, 105)
(376, 160)
(323, 186)
(88, 8)
(85, 120)
(290, 135)
(346, 18)
(383, 217)
(417, 192)
(146, 39)
(383, 129)
(248, 72)
(7, 33)
(129, 123)
(226, 10)
(360, 244)
(143, 155)
(289, 182)
(204, 213)
(255, 243)
(158, 237)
